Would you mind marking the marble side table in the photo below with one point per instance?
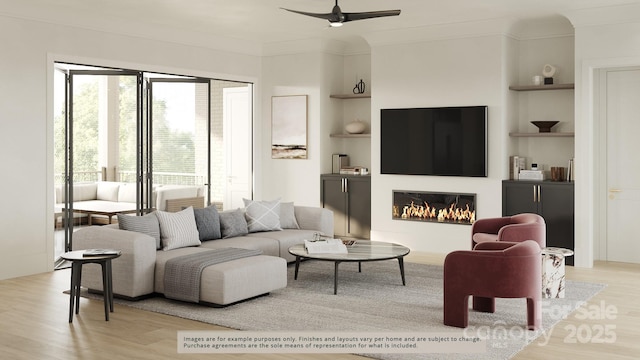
(553, 271)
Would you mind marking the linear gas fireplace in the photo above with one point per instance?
(450, 208)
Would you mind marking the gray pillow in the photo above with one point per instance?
(208, 223)
(233, 223)
(262, 215)
(147, 224)
(288, 216)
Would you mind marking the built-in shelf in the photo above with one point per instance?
(539, 134)
(351, 96)
(350, 135)
(542, 87)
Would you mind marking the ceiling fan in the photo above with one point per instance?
(336, 17)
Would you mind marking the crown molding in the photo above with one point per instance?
(608, 15)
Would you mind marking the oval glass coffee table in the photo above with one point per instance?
(361, 251)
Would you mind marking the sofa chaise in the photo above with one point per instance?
(141, 271)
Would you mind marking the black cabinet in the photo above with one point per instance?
(554, 201)
(349, 197)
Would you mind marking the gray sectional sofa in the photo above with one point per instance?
(140, 271)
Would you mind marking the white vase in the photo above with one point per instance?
(355, 127)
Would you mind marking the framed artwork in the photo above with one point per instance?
(289, 127)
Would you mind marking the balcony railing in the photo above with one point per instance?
(159, 178)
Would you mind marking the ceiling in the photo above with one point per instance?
(262, 22)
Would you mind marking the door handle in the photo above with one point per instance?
(536, 193)
(615, 190)
(345, 185)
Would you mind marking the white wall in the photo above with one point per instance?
(26, 69)
(313, 71)
(453, 72)
(599, 43)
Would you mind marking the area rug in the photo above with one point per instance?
(375, 300)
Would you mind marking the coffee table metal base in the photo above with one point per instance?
(335, 271)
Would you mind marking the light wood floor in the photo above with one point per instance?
(34, 323)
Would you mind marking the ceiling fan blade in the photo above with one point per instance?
(328, 16)
(370, 15)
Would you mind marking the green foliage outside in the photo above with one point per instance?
(173, 150)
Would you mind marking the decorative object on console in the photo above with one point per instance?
(355, 127)
(544, 126)
(532, 175)
(571, 171)
(354, 170)
(339, 161)
(557, 174)
(516, 163)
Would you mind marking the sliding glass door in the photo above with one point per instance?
(95, 143)
(179, 123)
(122, 138)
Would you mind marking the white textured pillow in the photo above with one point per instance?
(178, 230)
(262, 215)
(107, 191)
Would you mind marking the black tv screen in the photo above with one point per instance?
(448, 141)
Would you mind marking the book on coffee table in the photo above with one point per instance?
(100, 252)
(328, 246)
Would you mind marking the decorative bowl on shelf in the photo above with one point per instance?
(355, 127)
(544, 126)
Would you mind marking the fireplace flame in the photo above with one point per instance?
(427, 212)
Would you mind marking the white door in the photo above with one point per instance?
(623, 166)
(238, 145)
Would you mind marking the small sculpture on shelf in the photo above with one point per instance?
(548, 71)
(359, 88)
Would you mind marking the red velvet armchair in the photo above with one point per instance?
(514, 228)
(493, 269)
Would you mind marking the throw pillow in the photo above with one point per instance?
(208, 223)
(233, 223)
(178, 230)
(146, 224)
(262, 215)
(288, 216)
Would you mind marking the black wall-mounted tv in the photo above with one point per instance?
(447, 141)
